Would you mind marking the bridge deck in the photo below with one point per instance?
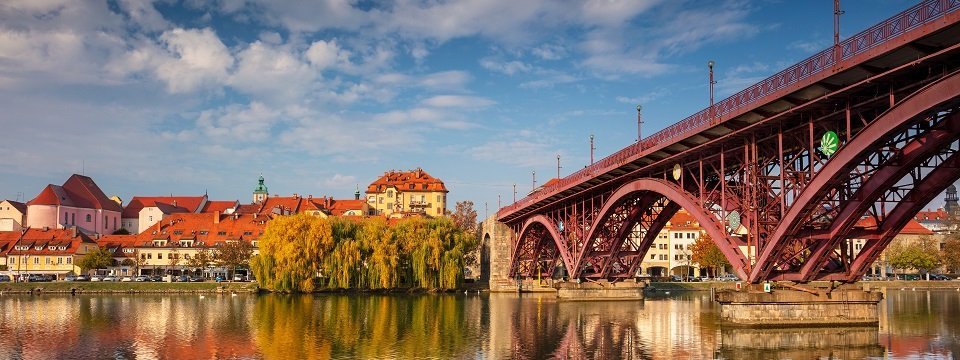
(929, 30)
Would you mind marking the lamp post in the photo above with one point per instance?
(591, 149)
(534, 181)
(639, 124)
(514, 193)
(712, 111)
(558, 166)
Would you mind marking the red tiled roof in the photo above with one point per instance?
(219, 205)
(248, 209)
(79, 191)
(21, 207)
(288, 205)
(402, 180)
(683, 220)
(167, 204)
(116, 244)
(44, 239)
(203, 228)
(911, 228)
(90, 192)
(932, 215)
(339, 207)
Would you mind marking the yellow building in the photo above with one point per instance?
(13, 215)
(45, 251)
(407, 192)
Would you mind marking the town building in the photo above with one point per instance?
(398, 193)
(44, 251)
(144, 211)
(13, 215)
(169, 245)
(670, 253)
(78, 202)
(260, 192)
(222, 206)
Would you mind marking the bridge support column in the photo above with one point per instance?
(600, 290)
(851, 306)
(499, 240)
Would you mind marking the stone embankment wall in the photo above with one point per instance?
(783, 307)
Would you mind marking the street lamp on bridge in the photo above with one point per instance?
(712, 112)
(639, 125)
(591, 149)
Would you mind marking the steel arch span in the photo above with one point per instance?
(842, 148)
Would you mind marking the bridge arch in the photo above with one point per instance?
(530, 242)
(678, 198)
(897, 118)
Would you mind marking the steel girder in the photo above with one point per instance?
(671, 197)
(538, 248)
(831, 188)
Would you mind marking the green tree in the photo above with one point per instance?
(920, 255)
(705, 253)
(200, 259)
(97, 259)
(233, 254)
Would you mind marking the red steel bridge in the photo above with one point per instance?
(780, 175)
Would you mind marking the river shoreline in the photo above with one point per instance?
(893, 284)
(76, 288)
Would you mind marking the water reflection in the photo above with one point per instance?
(915, 324)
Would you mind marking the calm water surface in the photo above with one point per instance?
(914, 325)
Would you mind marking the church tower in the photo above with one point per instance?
(260, 193)
(951, 206)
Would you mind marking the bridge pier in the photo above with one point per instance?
(600, 290)
(850, 306)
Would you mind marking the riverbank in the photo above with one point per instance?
(893, 284)
(126, 288)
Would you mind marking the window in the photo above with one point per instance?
(105, 221)
(677, 236)
(186, 256)
(221, 233)
(663, 256)
(688, 257)
(13, 260)
(248, 233)
(653, 256)
(424, 186)
(114, 223)
(69, 260)
(690, 236)
(59, 260)
(73, 219)
(150, 218)
(150, 256)
(439, 198)
(178, 232)
(663, 246)
(159, 256)
(389, 205)
(389, 193)
(412, 186)
(128, 250)
(381, 200)
(46, 260)
(88, 218)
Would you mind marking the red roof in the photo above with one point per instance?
(339, 207)
(932, 215)
(413, 180)
(205, 229)
(220, 206)
(911, 228)
(682, 220)
(167, 204)
(43, 242)
(79, 191)
(116, 244)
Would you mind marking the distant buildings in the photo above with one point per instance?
(13, 215)
(47, 251)
(78, 202)
(142, 211)
(407, 192)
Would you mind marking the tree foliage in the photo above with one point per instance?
(97, 259)
(951, 254)
(921, 255)
(705, 253)
(361, 253)
(233, 254)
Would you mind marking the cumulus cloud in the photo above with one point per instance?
(272, 73)
(505, 67)
(458, 101)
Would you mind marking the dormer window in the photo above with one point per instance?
(248, 233)
(186, 243)
(221, 233)
(204, 232)
(178, 232)
(62, 248)
(38, 247)
(51, 247)
(128, 251)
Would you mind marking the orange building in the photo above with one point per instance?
(45, 251)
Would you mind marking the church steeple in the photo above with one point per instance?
(260, 192)
(951, 202)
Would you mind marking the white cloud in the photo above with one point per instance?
(457, 101)
(142, 13)
(233, 123)
(194, 59)
(339, 181)
(517, 153)
(325, 54)
(505, 67)
(272, 73)
(549, 52)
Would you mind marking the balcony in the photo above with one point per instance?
(415, 203)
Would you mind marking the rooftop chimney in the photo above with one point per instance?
(216, 217)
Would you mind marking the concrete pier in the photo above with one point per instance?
(600, 290)
(788, 307)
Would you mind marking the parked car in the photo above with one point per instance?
(70, 278)
(156, 278)
(939, 277)
(728, 277)
(141, 278)
(96, 278)
(5, 278)
(219, 278)
(705, 278)
(239, 277)
(82, 278)
(182, 278)
(196, 279)
(110, 278)
(908, 277)
(126, 279)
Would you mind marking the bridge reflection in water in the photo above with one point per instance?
(917, 324)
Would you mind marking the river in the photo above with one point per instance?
(922, 324)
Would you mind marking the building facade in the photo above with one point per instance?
(144, 211)
(13, 215)
(407, 192)
(45, 251)
(78, 202)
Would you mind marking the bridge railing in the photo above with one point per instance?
(920, 14)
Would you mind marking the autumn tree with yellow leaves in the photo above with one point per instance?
(300, 252)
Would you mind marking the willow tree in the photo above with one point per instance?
(383, 261)
(292, 250)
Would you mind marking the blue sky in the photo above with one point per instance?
(182, 97)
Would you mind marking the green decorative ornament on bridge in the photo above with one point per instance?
(829, 143)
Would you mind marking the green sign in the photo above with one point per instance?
(829, 143)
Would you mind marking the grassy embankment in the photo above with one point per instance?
(125, 287)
